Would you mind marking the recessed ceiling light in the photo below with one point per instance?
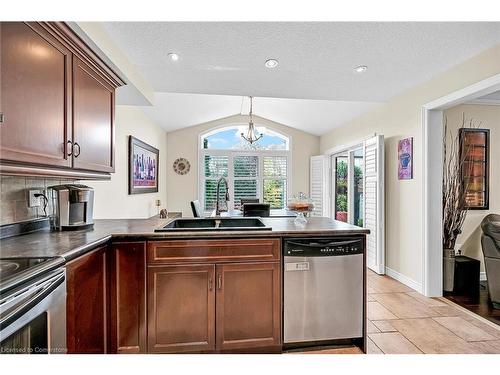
(173, 56)
(271, 63)
(361, 69)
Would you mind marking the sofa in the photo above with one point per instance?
(490, 242)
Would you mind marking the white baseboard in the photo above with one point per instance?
(403, 279)
(482, 276)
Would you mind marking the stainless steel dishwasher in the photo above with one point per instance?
(323, 289)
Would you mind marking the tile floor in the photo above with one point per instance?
(402, 321)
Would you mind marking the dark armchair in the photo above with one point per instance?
(490, 241)
(256, 209)
(196, 208)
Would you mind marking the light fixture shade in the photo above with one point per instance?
(252, 135)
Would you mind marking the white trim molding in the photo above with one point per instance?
(432, 163)
(484, 102)
(409, 282)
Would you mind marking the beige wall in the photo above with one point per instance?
(399, 118)
(486, 117)
(184, 143)
(112, 200)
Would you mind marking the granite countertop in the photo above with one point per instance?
(71, 244)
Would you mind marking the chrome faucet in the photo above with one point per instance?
(217, 201)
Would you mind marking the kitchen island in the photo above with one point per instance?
(71, 244)
(133, 290)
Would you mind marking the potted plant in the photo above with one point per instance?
(454, 199)
(341, 209)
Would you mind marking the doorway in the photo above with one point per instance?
(432, 166)
(357, 193)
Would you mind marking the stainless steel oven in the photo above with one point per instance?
(33, 312)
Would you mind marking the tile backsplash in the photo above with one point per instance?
(14, 197)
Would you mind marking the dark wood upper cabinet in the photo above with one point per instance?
(127, 272)
(248, 306)
(181, 308)
(86, 303)
(93, 114)
(57, 99)
(35, 95)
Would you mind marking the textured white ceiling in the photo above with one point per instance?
(316, 58)
(221, 61)
(175, 111)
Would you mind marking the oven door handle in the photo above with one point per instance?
(43, 291)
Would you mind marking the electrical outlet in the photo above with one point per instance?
(32, 200)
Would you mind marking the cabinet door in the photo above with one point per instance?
(128, 297)
(181, 308)
(248, 305)
(35, 95)
(93, 116)
(86, 303)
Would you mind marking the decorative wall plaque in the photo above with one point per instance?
(182, 166)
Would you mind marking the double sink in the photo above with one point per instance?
(214, 224)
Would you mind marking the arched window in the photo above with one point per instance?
(260, 170)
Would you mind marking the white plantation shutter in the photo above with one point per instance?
(274, 181)
(249, 176)
(374, 203)
(246, 172)
(318, 189)
(215, 166)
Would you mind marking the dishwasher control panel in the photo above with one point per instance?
(317, 247)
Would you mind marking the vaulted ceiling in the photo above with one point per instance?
(175, 111)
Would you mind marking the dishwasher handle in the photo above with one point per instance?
(331, 248)
(330, 244)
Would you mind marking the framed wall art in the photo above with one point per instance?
(405, 159)
(143, 167)
(474, 153)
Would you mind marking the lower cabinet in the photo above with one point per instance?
(124, 298)
(127, 265)
(248, 305)
(181, 308)
(205, 308)
(86, 303)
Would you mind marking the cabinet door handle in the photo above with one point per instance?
(76, 145)
(210, 283)
(2, 117)
(219, 281)
(69, 148)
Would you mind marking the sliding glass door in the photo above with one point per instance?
(356, 193)
(341, 163)
(358, 183)
(347, 205)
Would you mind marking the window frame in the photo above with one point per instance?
(231, 153)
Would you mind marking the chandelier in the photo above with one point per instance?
(252, 135)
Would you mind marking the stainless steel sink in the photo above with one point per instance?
(211, 224)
